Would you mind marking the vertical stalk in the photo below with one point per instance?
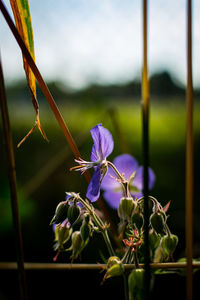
(126, 291)
(13, 188)
(145, 111)
(189, 155)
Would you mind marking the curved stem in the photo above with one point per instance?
(115, 170)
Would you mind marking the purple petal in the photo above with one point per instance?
(126, 164)
(136, 195)
(93, 190)
(94, 156)
(138, 180)
(103, 143)
(108, 182)
(113, 198)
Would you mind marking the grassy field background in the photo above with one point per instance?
(43, 173)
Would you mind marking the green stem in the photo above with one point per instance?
(115, 170)
(108, 243)
(102, 227)
(126, 291)
(125, 258)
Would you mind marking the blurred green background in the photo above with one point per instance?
(42, 168)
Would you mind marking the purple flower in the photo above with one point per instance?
(102, 147)
(126, 165)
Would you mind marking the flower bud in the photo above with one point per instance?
(157, 222)
(76, 244)
(113, 260)
(154, 240)
(86, 229)
(169, 243)
(114, 267)
(60, 213)
(136, 283)
(73, 213)
(126, 208)
(137, 220)
(62, 234)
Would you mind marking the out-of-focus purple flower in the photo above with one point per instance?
(101, 149)
(126, 165)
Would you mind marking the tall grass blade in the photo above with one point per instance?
(23, 22)
(189, 156)
(145, 114)
(13, 188)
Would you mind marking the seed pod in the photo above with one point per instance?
(136, 284)
(157, 222)
(60, 213)
(126, 207)
(169, 243)
(73, 213)
(137, 220)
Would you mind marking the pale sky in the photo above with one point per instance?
(83, 41)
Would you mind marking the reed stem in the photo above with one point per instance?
(145, 111)
(13, 187)
(189, 156)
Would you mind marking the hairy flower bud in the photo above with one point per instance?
(60, 213)
(157, 222)
(136, 284)
(73, 213)
(86, 228)
(76, 244)
(62, 235)
(169, 243)
(137, 220)
(154, 240)
(126, 207)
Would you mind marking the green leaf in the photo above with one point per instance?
(23, 22)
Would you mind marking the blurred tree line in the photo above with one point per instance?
(161, 84)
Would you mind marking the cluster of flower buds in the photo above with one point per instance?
(162, 243)
(70, 214)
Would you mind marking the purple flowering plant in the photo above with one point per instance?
(121, 182)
